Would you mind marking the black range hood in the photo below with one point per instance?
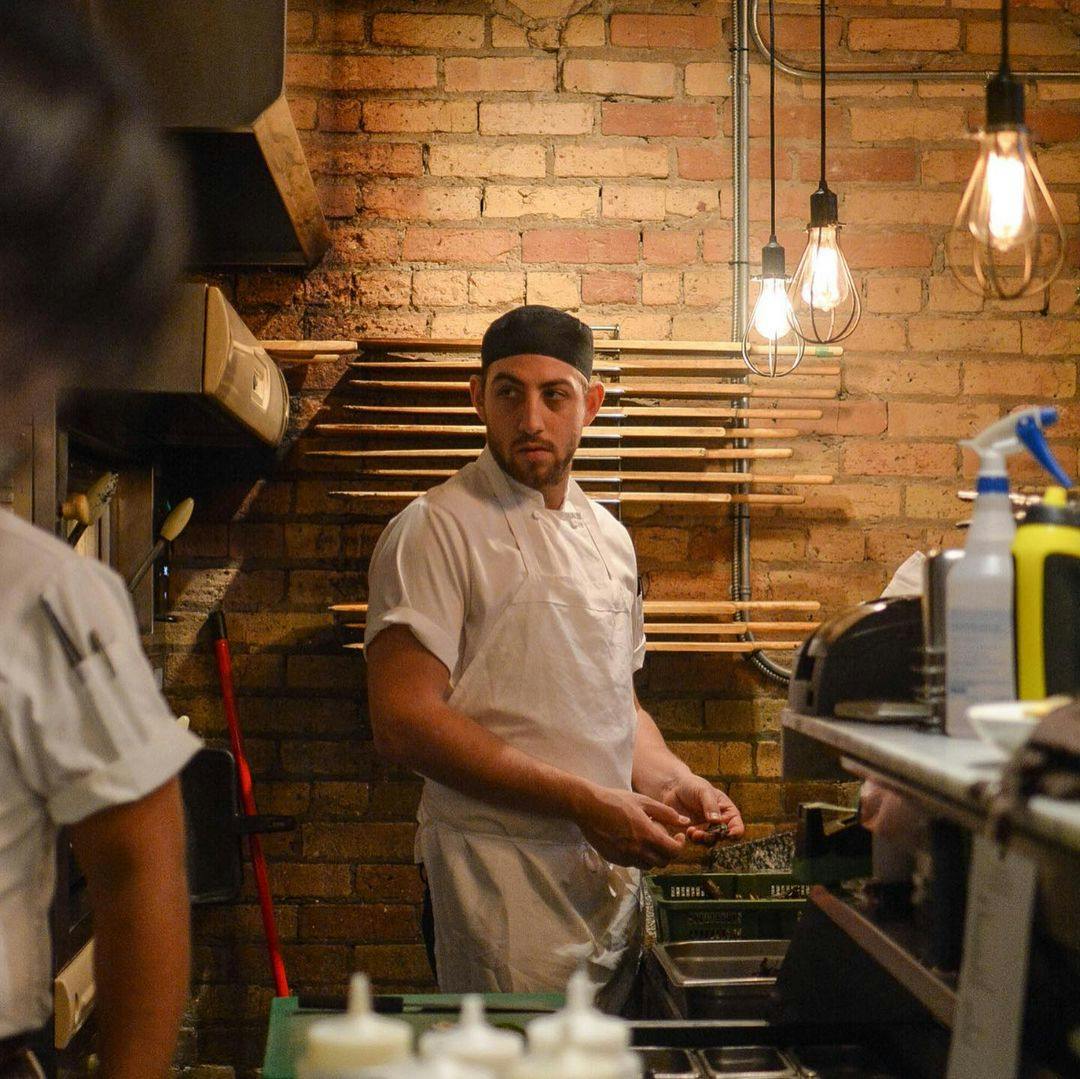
(216, 71)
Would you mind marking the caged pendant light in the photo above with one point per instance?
(823, 295)
(1007, 239)
(772, 330)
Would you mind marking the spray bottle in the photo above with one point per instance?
(980, 659)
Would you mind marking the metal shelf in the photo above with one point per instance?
(890, 945)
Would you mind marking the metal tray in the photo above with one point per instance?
(748, 1062)
(662, 1063)
(716, 964)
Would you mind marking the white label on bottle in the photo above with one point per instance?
(979, 662)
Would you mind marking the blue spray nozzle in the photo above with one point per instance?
(1030, 434)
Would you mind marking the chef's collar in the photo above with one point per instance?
(529, 495)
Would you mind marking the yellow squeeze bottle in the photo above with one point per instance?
(1046, 552)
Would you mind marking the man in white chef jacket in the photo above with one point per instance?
(504, 628)
(90, 248)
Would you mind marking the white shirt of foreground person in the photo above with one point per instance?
(535, 614)
(73, 740)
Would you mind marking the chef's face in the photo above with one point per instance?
(534, 408)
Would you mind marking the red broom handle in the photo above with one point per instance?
(247, 800)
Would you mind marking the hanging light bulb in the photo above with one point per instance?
(824, 298)
(771, 331)
(1008, 239)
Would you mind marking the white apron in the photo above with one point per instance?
(521, 900)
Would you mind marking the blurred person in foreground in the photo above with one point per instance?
(91, 243)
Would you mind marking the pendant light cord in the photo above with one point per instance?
(772, 123)
(822, 43)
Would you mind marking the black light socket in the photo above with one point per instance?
(1004, 102)
(824, 210)
(772, 259)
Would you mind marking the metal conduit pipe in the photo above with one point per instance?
(892, 74)
(745, 27)
(740, 267)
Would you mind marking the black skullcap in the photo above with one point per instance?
(541, 331)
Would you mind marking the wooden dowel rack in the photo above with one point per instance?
(797, 479)
(665, 411)
(416, 389)
(700, 497)
(639, 387)
(671, 453)
(443, 430)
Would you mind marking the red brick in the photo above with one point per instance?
(519, 73)
(352, 245)
(337, 198)
(659, 120)
(433, 32)
(575, 202)
(601, 287)
(299, 27)
(536, 118)
(619, 77)
(704, 163)
(341, 27)
(372, 923)
(304, 110)
(877, 375)
(420, 116)
(859, 165)
(665, 31)
(669, 248)
(707, 80)
(978, 335)
(363, 842)
(1025, 38)
(889, 250)
(899, 458)
(796, 33)
(278, 288)
(398, 965)
(347, 158)
(599, 161)
(826, 543)
(414, 202)
(954, 419)
(338, 114)
(1026, 378)
(580, 245)
(522, 160)
(459, 245)
(344, 72)
(877, 35)
(634, 203)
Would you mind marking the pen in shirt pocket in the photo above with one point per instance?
(67, 645)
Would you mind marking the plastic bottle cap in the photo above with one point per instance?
(356, 1039)
(579, 1024)
(473, 1040)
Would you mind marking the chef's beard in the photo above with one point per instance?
(537, 475)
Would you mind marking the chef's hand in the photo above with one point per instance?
(699, 800)
(631, 829)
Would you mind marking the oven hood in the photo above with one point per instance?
(216, 72)
(214, 386)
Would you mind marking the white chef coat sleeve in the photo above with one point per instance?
(96, 733)
(417, 578)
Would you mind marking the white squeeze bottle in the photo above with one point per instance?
(980, 652)
(340, 1046)
(474, 1041)
(603, 1039)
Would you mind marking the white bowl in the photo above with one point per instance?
(1006, 726)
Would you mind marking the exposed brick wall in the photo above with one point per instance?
(472, 156)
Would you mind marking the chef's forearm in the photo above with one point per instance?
(133, 857)
(656, 768)
(449, 747)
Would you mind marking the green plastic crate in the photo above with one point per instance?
(750, 906)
